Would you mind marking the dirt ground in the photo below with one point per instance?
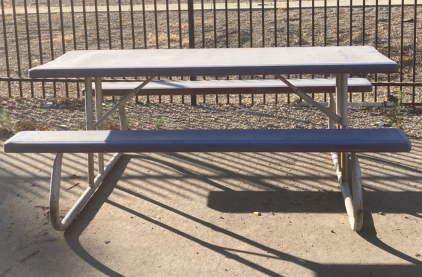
(192, 214)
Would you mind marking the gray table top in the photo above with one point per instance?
(216, 61)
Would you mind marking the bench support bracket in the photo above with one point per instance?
(310, 101)
(122, 101)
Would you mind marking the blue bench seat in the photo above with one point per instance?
(255, 140)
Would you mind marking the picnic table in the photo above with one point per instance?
(150, 63)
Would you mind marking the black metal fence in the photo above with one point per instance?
(34, 32)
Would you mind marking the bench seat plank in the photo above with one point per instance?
(256, 140)
(231, 87)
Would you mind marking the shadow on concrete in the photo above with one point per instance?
(245, 202)
(285, 201)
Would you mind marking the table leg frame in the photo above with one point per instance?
(93, 183)
(337, 113)
(354, 204)
(353, 201)
(56, 221)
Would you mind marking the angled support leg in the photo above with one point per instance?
(56, 221)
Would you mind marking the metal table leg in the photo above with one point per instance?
(98, 115)
(353, 201)
(89, 126)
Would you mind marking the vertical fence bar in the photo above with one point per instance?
(376, 46)
(50, 28)
(6, 49)
(288, 34)
(157, 42)
(227, 37)
(275, 37)
(363, 40)
(401, 43)
(300, 23)
(214, 5)
(132, 24)
(191, 22)
(226, 18)
(72, 11)
(313, 32)
(338, 22)
(110, 45)
(325, 22)
(180, 34)
(239, 41)
(263, 21)
(28, 44)
(18, 58)
(389, 43)
(275, 25)
(363, 22)
(122, 46)
(156, 27)
(85, 24)
(351, 23)
(97, 24)
(251, 38)
(180, 23)
(215, 34)
(168, 25)
(203, 27)
(415, 16)
(313, 23)
(325, 36)
(288, 24)
(63, 41)
(351, 34)
(300, 30)
(203, 37)
(264, 96)
(168, 34)
(251, 24)
(37, 8)
(144, 24)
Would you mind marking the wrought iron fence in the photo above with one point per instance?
(36, 31)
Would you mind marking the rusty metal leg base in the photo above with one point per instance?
(353, 202)
(56, 221)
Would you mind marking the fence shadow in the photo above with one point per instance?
(244, 201)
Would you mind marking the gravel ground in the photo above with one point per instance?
(68, 114)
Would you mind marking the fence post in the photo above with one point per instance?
(191, 23)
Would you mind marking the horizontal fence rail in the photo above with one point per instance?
(34, 32)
